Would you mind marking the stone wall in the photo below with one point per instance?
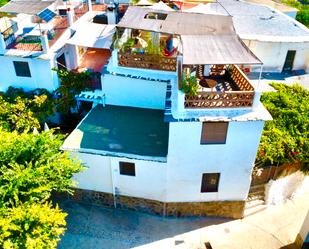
(230, 209)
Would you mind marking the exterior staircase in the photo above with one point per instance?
(256, 200)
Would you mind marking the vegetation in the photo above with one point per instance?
(3, 2)
(31, 168)
(22, 111)
(303, 10)
(72, 84)
(286, 138)
(189, 86)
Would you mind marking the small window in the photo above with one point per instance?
(127, 168)
(210, 182)
(22, 69)
(156, 16)
(214, 132)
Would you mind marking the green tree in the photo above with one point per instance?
(23, 111)
(285, 139)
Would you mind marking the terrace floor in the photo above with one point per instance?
(125, 130)
(95, 59)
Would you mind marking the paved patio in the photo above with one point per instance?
(98, 227)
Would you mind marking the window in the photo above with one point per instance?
(155, 15)
(214, 132)
(210, 182)
(127, 168)
(22, 69)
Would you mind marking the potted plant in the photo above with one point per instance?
(189, 86)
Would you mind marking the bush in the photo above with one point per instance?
(31, 226)
(32, 166)
(286, 138)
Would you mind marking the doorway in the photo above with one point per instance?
(289, 61)
(61, 62)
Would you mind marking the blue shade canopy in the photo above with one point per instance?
(46, 15)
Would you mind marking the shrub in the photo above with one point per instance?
(31, 226)
(286, 138)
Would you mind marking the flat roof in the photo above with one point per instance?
(259, 22)
(31, 7)
(121, 131)
(175, 22)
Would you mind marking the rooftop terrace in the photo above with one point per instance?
(121, 131)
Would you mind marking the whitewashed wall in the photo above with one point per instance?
(41, 74)
(97, 175)
(102, 174)
(273, 54)
(180, 178)
(188, 160)
(125, 91)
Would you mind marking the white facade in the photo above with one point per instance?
(180, 178)
(126, 91)
(41, 74)
(273, 54)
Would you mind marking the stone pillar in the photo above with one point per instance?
(89, 5)
(44, 42)
(70, 15)
(2, 44)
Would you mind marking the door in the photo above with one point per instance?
(289, 61)
(61, 62)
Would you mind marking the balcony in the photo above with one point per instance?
(148, 50)
(229, 88)
(147, 61)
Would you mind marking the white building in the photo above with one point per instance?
(149, 146)
(278, 40)
(42, 36)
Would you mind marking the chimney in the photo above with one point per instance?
(89, 5)
(70, 15)
(2, 44)
(44, 42)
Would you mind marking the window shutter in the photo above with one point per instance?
(214, 132)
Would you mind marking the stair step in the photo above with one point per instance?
(256, 198)
(254, 203)
(254, 210)
(260, 187)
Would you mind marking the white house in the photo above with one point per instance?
(42, 35)
(277, 39)
(149, 146)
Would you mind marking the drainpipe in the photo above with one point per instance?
(70, 15)
(2, 44)
(89, 5)
(44, 42)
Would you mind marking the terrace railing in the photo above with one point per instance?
(220, 99)
(154, 62)
(229, 99)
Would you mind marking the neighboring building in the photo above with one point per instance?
(43, 35)
(149, 146)
(279, 41)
